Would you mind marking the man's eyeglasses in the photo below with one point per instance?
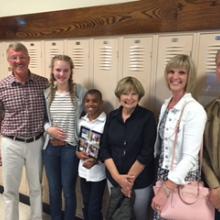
(15, 58)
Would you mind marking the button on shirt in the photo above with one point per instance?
(130, 141)
(189, 138)
(97, 172)
(22, 108)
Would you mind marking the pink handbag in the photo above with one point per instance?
(190, 201)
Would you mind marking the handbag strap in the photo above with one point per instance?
(177, 128)
(200, 158)
(175, 142)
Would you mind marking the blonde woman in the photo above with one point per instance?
(179, 76)
(64, 101)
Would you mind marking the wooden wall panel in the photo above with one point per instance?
(144, 16)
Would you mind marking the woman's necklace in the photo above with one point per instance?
(174, 101)
(171, 105)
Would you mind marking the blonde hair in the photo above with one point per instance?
(185, 62)
(71, 86)
(128, 84)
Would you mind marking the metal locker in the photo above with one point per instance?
(79, 51)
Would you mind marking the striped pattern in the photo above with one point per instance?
(63, 114)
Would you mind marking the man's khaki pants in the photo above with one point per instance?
(15, 156)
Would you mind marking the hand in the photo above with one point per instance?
(56, 133)
(214, 197)
(126, 183)
(82, 155)
(159, 200)
(131, 179)
(126, 193)
(89, 163)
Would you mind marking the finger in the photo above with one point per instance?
(124, 192)
(153, 205)
(131, 177)
(60, 130)
(85, 156)
(156, 207)
(61, 135)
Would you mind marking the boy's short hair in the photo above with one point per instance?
(94, 92)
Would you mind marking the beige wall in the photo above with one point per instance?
(32, 6)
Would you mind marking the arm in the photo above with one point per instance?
(209, 173)
(1, 118)
(104, 152)
(212, 145)
(146, 154)
(134, 172)
(136, 169)
(88, 162)
(190, 139)
(162, 195)
(211, 150)
(54, 132)
(106, 157)
(192, 135)
(211, 180)
(122, 180)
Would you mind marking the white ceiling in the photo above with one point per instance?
(20, 7)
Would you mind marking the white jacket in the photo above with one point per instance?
(189, 138)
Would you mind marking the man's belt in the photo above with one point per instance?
(25, 140)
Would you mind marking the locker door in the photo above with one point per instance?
(35, 52)
(106, 69)
(169, 46)
(52, 48)
(208, 85)
(3, 60)
(137, 62)
(79, 51)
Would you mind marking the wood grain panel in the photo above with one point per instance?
(145, 16)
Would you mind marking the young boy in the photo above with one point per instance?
(91, 171)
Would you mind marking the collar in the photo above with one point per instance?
(101, 117)
(133, 113)
(14, 81)
(180, 104)
(118, 113)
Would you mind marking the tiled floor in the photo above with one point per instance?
(24, 211)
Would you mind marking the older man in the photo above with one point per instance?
(22, 113)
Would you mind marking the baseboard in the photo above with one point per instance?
(25, 199)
